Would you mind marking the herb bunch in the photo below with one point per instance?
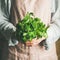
(30, 27)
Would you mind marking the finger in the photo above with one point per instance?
(29, 43)
(42, 38)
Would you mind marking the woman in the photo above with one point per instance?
(11, 11)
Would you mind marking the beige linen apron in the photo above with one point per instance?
(22, 52)
(41, 9)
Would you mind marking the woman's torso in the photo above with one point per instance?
(40, 8)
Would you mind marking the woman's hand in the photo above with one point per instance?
(35, 41)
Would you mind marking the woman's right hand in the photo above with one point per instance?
(34, 41)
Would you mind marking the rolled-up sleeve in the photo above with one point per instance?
(54, 29)
(6, 28)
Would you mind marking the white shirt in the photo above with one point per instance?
(8, 28)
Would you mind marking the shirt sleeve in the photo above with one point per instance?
(54, 29)
(6, 28)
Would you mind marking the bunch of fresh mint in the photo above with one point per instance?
(30, 27)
